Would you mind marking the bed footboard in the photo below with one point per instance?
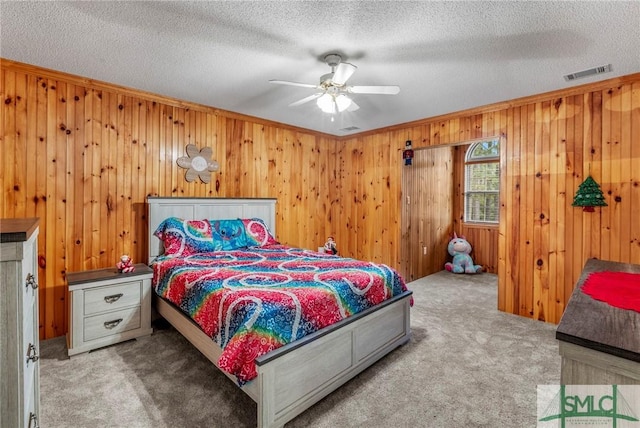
(293, 378)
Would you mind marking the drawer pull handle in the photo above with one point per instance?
(112, 298)
(31, 353)
(33, 420)
(31, 281)
(112, 324)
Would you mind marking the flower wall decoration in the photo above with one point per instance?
(198, 163)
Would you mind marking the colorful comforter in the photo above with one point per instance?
(253, 301)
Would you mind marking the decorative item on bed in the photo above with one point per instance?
(252, 295)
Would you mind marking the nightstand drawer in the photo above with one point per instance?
(113, 297)
(111, 323)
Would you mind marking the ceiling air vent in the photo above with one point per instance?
(349, 129)
(587, 73)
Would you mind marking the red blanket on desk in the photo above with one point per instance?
(619, 289)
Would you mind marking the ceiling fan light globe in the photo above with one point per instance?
(326, 104)
(343, 102)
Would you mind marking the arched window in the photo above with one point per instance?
(482, 182)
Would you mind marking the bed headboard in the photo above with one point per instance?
(206, 208)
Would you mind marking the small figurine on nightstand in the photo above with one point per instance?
(125, 265)
(330, 246)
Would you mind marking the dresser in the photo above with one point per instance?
(107, 307)
(19, 327)
(599, 343)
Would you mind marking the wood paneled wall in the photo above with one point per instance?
(552, 142)
(555, 144)
(427, 211)
(365, 200)
(83, 155)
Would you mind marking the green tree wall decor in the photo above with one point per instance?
(589, 195)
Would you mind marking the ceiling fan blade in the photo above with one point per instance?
(286, 82)
(306, 99)
(384, 90)
(344, 70)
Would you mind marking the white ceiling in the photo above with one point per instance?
(445, 56)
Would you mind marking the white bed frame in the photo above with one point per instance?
(294, 377)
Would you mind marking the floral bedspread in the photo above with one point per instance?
(256, 300)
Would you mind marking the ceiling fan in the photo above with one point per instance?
(333, 90)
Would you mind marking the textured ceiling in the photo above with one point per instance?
(445, 56)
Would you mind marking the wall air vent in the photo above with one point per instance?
(349, 129)
(587, 73)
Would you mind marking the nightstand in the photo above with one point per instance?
(108, 307)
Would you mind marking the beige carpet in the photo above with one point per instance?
(467, 365)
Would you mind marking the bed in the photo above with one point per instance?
(293, 377)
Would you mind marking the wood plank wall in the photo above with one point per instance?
(83, 155)
(427, 211)
(552, 142)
